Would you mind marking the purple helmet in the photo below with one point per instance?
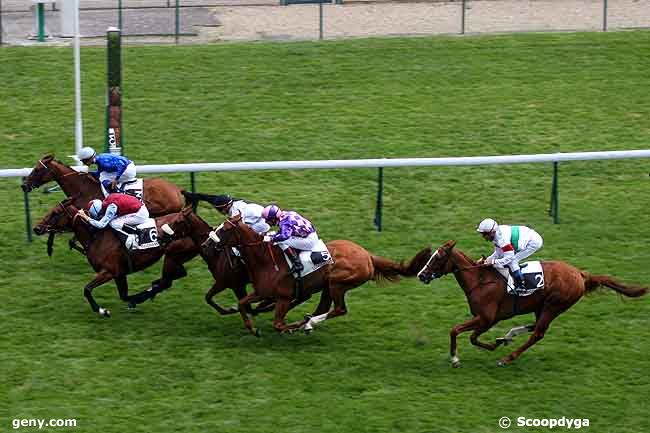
(270, 213)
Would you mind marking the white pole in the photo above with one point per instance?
(78, 137)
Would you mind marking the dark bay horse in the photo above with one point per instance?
(110, 259)
(160, 196)
(489, 303)
(227, 270)
(269, 273)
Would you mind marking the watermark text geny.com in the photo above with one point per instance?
(40, 423)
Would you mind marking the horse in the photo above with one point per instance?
(160, 196)
(110, 259)
(271, 279)
(489, 302)
(227, 269)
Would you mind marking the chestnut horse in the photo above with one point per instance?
(160, 196)
(269, 273)
(110, 259)
(489, 303)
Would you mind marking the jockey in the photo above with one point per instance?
(251, 213)
(511, 245)
(295, 233)
(118, 210)
(113, 170)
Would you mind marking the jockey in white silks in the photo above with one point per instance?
(112, 170)
(512, 244)
(251, 213)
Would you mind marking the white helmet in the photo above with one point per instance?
(86, 153)
(487, 225)
(94, 208)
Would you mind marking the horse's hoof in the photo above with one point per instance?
(257, 333)
(504, 341)
(307, 318)
(104, 312)
(455, 364)
(502, 363)
(131, 307)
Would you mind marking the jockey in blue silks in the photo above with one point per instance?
(112, 170)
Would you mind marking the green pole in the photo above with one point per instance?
(28, 223)
(380, 198)
(554, 210)
(0, 22)
(41, 22)
(114, 141)
(193, 188)
(320, 20)
(119, 14)
(177, 28)
(462, 18)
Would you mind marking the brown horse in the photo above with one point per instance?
(271, 279)
(111, 261)
(489, 303)
(160, 196)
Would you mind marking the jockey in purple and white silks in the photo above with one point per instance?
(295, 233)
(511, 245)
(113, 170)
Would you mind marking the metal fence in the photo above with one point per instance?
(198, 21)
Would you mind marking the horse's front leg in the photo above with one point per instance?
(100, 278)
(218, 288)
(244, 305)
(282, 306)
(458, 329)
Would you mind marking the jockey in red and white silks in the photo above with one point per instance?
(117, 210)
(512, 244)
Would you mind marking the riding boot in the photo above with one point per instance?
(128, 240)
(520, 284)
(297, 267)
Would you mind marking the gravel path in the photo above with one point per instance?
(237, 20)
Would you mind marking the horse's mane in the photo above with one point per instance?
(468, 258)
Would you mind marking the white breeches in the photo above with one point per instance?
(534, 243)
(132, 219)
(128, 175)
(303, 244)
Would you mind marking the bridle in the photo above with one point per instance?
(241, 243)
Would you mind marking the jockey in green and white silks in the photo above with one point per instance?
(512, 244)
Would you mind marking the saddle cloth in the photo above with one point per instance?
(146, 235)
(134, 188)
(313, 260)
(533, 279)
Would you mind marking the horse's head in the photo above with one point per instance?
(41, 174)
(177, 225)
(57, 220)
(439, 263)
(231, 233)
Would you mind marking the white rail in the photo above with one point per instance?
(369, 163)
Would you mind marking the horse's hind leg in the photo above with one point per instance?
(545, 319)
(101, 277)
(337, 295)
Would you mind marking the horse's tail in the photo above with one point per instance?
(592, 282)
(386, 269)
(194, 197)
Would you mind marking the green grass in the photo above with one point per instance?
(176, 366)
